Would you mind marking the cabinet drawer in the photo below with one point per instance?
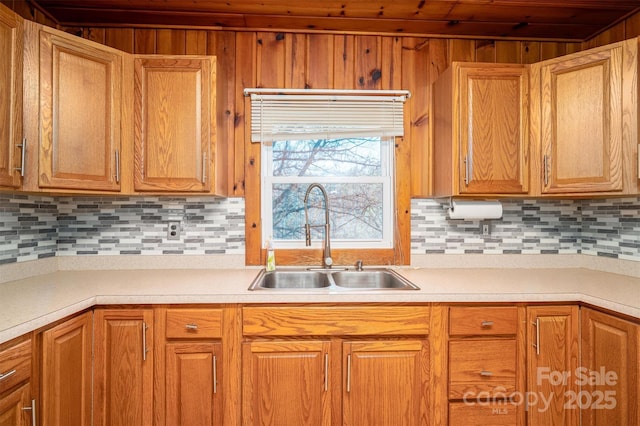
(473, 414)
(481, 366)
(466, 321)
(194, 323)
(335, 320)
(15, 365)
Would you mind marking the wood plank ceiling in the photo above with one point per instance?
(568, 20)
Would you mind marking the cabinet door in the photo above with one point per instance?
(192, 380)
(610, 369)
(66, 373)
(286, 383)
(80, 107)
(174, 123)
(11, 44)
(385, 382)
(552, 355)
(123, 369)
(581, 123)
(494, 130)
(11, 408)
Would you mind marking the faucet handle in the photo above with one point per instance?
(359, 265)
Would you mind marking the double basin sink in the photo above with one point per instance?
(331, 279)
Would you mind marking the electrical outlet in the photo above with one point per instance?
(485, 229)
(173, 230)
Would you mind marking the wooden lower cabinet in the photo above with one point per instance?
(471, 371)
(610, 363)
(485, 414)
(11, 407)
(329, 365)
(188, 367)
(290, 382)
(191, 378)
(67, 373)
(552, 362)
(385, 382)
(286, 383)
(123, 367)
(483, 366)
(17, 408)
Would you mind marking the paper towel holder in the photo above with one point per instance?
(474, 209)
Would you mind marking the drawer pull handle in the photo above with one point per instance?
(215, 374)
(349, 373)
(144, 341)
(486, 373)
(326, 372)
(33, 411)
(7, 375)
(537, 343)
(191, 326)
(486, 323)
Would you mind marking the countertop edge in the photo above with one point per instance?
(291, 297)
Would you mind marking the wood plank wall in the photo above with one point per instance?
(320, 60)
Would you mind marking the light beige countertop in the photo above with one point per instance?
(30, 303)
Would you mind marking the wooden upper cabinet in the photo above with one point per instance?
(481, 130)
(11, 44)
(174, 120)
(80, 113)
(588, 124)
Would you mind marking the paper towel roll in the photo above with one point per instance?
(475, 210)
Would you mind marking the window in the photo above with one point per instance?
(357, 174)
(350, 142)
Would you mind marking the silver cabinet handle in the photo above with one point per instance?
(486, 323)
(144, 341)
(191, 326)
(536, 345)
(486, 373)
(349, 373)
(215, 375)
(204, 167)
(7, 375)
(326, 372)
(545, 166)
(466, 170)
(117, 166)
(33, 411)
(23, 149)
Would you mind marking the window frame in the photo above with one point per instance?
(255, 255)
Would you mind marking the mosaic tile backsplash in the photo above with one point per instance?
(33, 227)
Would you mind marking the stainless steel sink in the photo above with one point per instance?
(372, 279)
(331, 279)
(290, 280)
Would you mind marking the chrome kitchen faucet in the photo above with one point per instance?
(326, 256)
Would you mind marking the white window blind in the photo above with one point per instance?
(325, 116)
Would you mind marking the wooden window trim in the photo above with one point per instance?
(399, 255)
